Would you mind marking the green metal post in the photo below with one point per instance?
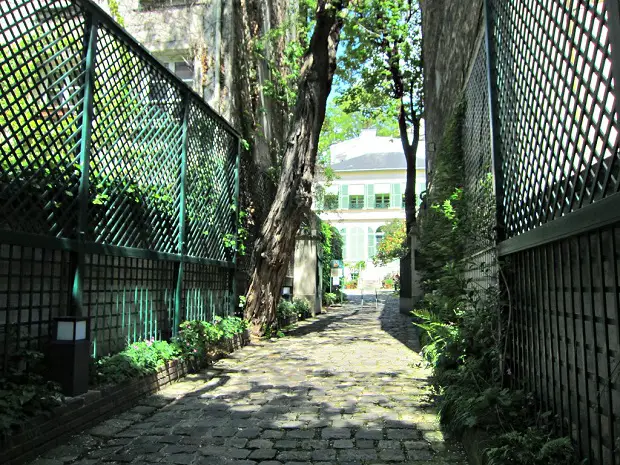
(77, 303)
(496, 161)
(233, 272)
(178, 300)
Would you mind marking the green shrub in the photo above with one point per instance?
(329, 298)
(231, 326)
(25, 394)
(285, 310)
(195, 341)
(331, 244)
(272, 332)
(138, 359)
(302, 308)
(530, 447)
(197, 338)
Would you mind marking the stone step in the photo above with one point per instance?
(370, 284)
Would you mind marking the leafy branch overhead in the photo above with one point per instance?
(381, 73)
(382, 57)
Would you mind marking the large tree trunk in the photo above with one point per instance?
(409, 148)
(276, 240)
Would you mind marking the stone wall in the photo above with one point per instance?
(201, 32)
(451, 30)
(307, 266)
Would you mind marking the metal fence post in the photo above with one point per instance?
(496, 162)
(178, 295)
(236, 214)
(613, 24)
(78, 258)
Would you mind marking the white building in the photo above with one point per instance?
(368, 192)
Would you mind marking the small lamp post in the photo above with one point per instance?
(69, 354)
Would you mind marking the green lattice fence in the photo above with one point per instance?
(118, 185)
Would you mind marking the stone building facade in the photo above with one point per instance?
(448, 54)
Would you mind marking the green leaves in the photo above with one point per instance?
(25, 394)
(382, 56)
(198, 339)
(302, 308)
(531, 447)
(138, 359)
(393, 245)
(331, 243)
(285, 309)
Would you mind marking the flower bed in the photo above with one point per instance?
(44, 432)
(118, 382)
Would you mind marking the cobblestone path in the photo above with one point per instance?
(344, 388)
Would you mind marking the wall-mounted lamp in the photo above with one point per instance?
(286, 293)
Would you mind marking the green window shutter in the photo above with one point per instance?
(343, 197)
(370, 196)
(356, 244)
(395, 197)
(372, 246)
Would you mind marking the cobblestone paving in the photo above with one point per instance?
(344, 388)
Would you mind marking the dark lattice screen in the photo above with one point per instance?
(555, 108)
(566, 341)
(478, 189)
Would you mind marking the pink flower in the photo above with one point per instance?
(195, 350)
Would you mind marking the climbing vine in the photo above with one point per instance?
(113, 5)
(331, 244)
(291, 39)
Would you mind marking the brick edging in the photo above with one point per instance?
(45, 432)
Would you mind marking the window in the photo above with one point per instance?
(382, 200)
(330, 201)
(354, 198)
(356, 202)
(162, 91)
(185, 71)
(146, 5)
(182, 67)
(379, 235)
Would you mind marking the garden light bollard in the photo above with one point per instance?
(69, 354)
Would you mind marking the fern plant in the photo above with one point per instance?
(530, 447)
